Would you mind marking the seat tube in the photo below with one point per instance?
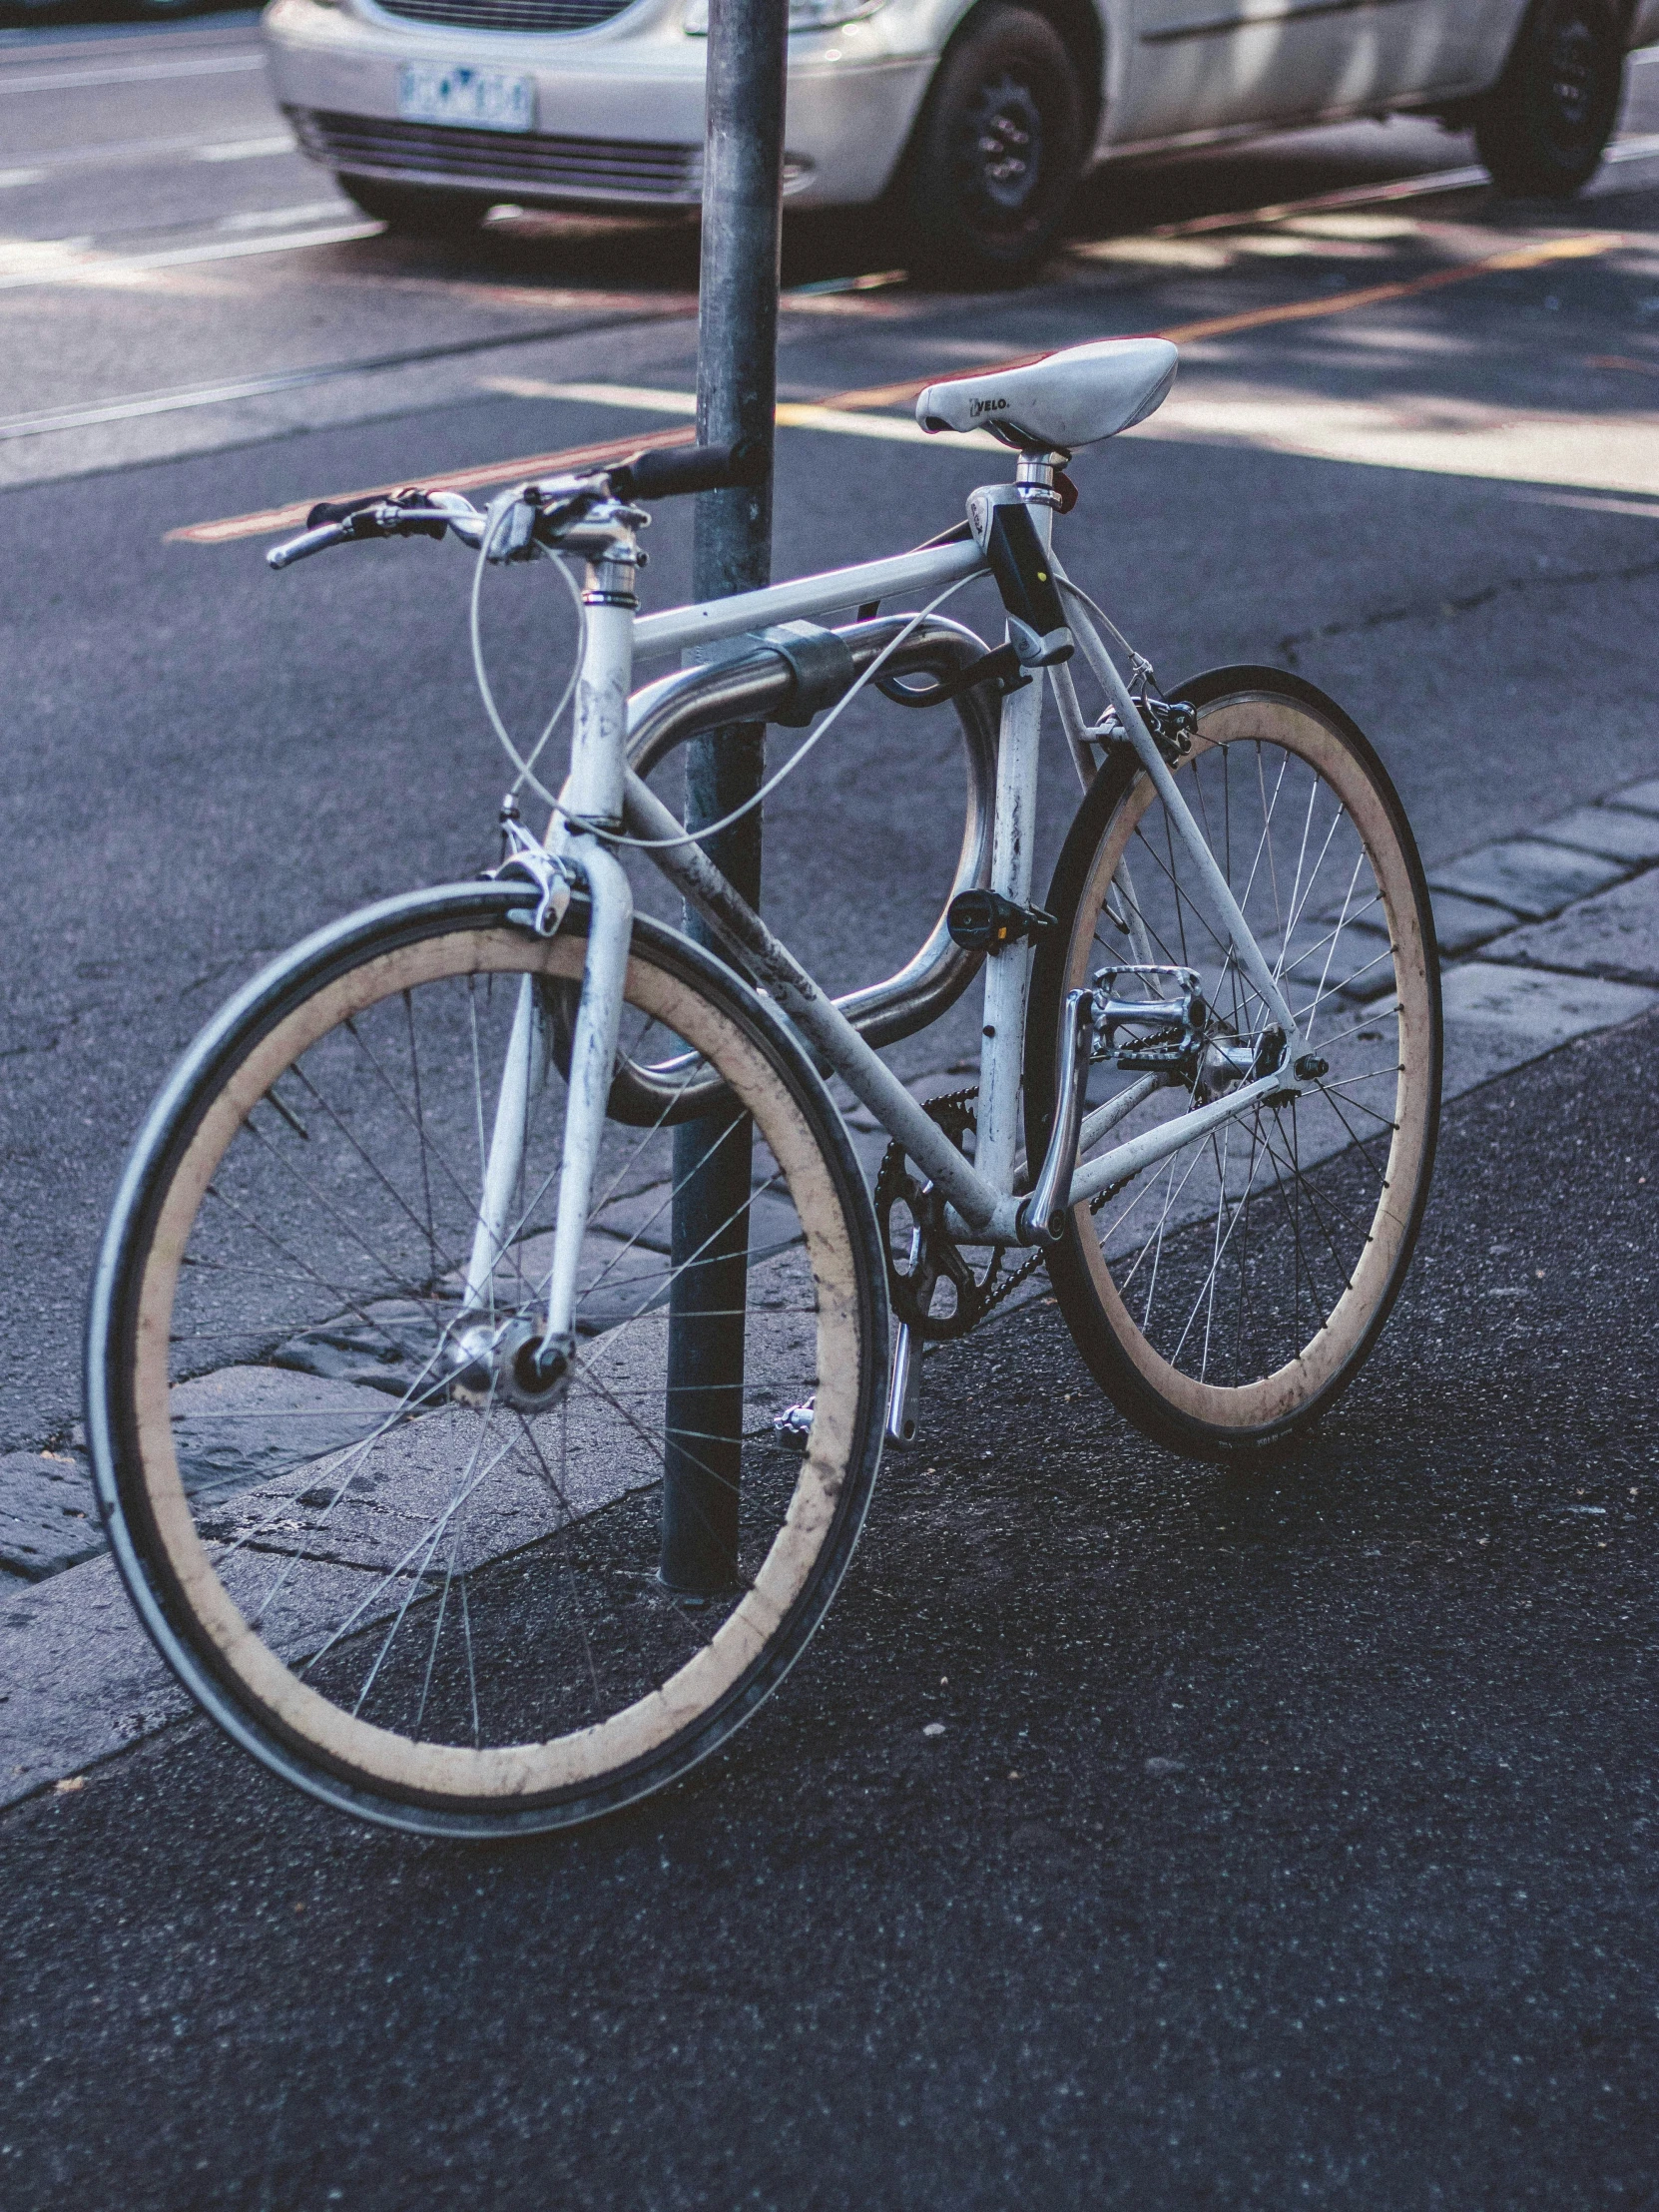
(1008, 971)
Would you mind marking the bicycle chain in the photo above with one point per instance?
(974, 1298)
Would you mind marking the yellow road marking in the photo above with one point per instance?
(1578, 247)
(1582, 247)
(292, 517)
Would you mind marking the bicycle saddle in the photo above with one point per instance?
(1073, 398)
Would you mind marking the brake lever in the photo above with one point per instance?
(358, 520)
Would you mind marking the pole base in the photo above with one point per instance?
(694, 1602)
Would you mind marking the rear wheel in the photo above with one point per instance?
(1225, 1295)
(997, 153)
(406, 1570)
(1543, 128)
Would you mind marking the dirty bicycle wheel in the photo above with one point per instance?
(413, 1585)
(1223, 1297)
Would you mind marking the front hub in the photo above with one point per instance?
(490, 1361)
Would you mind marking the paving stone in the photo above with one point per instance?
(1533, 880)
(48, 1514)
(1462, 923)
(1612, 830)
(247, 1423)
(83, 1680)
(82, 1677)
(386, 1348)
(1614, 934)
(644, 1217)
(1500, 1017)
(1644, 797)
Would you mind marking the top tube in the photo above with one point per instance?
(679, 628)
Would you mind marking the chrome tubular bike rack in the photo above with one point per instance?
(759, 683)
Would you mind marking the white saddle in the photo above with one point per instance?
(1074, 399)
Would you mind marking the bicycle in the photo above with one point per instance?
(430, 1153)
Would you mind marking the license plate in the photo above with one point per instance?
(483, 99)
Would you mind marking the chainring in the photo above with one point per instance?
(912, 1285)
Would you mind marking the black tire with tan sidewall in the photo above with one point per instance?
(168, 1570)
(1197, 1418)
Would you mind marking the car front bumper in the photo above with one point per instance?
(619, 109)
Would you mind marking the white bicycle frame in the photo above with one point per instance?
(601, 791)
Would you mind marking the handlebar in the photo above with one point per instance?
(650, 474)
(674, 471)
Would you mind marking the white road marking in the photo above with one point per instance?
(248, 150)
(128, 73)
(68, 261)
(274, 218)
(160, 402)
(1428, 433)
(1599, 506)
(793, 414)
(120, 152)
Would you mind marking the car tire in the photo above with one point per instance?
(423, 211)
(1541, 131)
(997, 152)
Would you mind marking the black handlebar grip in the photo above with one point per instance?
(676, 470)
(357, 513)
(340, 510)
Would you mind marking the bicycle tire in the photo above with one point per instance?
(412, 1623)
(1304, 1315)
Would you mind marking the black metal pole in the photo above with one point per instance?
(737, 389)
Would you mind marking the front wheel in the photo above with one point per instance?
(406, 1568)
(997, 153)
(1223, 1297)
(1543, 130)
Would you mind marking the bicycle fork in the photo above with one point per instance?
(540, 1358)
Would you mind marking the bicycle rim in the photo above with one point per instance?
(442, 1614)
(1226, 1295)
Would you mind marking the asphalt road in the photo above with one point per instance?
(851, 1964)
(1289, 1840)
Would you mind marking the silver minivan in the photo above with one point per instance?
(970, 120)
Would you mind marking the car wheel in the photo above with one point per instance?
(424, 211)
(997, 152)
(1542, 128)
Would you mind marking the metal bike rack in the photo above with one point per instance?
(757, 686)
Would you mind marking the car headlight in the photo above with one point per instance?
(805, 15)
